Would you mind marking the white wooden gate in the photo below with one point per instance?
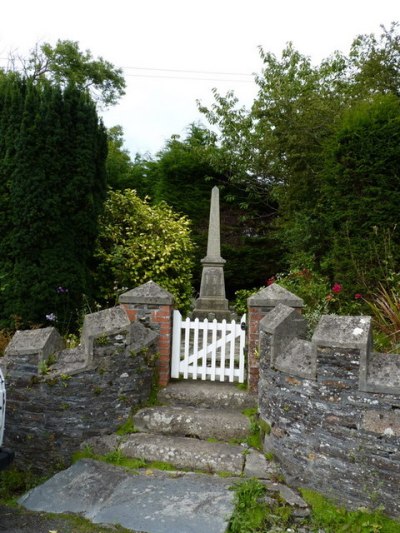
(208, 349)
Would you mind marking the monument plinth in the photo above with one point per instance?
(212, 302)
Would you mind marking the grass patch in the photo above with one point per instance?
(258, 429)
(252, 514)
(79, 524)
(338, 520)
(269, 456)
(127, 427)
(116, 457)
(14, 483)
(161, 465)
(225, 474)
(258, 511)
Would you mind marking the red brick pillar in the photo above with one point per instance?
(258, 306)
(153, 306)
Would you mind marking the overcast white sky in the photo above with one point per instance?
(182, 35)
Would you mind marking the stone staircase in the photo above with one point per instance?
(199, 426)
(200, 429)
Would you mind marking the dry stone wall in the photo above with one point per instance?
(58, 398)
(334, 408)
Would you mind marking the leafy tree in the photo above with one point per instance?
(183, 174)
(119, 164)
(362, 193)
(374, 62)
(125, 173)
(276, 149)
(52, 178)
(138, 243)
(65, 63)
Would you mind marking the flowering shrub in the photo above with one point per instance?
(336, 288)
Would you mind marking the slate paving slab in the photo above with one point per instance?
(152, 502)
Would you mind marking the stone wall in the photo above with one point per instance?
(58, 398)
(334, 408)
(258, 306)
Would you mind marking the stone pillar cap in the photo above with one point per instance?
(272, 295)
(148, 293)
(32, 341)
(343, 331)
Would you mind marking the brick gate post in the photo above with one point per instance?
(153, 306)
(258, 306)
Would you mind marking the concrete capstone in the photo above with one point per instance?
(148, 293)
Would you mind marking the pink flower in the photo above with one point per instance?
(270, 280)
(358, 296)
(337, 287)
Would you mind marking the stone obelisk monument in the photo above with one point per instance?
(212, 302)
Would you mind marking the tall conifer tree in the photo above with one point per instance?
(52, 179)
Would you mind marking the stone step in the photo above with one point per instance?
(150, 500)
(196, 422)
(207, 394)
(188, 454)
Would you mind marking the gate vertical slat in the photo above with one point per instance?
(195, 347)
(214, 350)
(232, 352)
(223, 350)
(186, 325)
(176, 344)
(204, 358)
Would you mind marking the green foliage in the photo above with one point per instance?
(138, 243)
(252, 514)
(385, 308)
(52, 182)
(334, 519)
(183, 174)
(321, 144)
(65, 64)
(116, 457)
(127, 427)
(249, 515)
(45, 364)
(241, 297)
(121, 171)
(361, 191)
(258, 429)
(14, 482)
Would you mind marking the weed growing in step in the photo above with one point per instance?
(258, 429)
(127, 428)
(161, 465)
(249, 513)
(252, 514)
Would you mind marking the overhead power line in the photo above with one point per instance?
(189, 78)
(183, 74)
(186, 71)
